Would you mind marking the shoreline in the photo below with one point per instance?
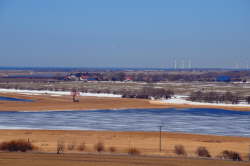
(45, 102)
(171, 134)
(120, 109)
(123, 131)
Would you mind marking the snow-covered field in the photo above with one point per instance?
(183, 100)
(54, 93)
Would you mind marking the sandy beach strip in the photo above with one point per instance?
(60, 103)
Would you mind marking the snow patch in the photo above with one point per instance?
(55, 93)
(183, 100)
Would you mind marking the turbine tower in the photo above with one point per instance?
(175, 64)
(183, 64)
(189, 64)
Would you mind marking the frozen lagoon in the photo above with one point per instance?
(197, 121)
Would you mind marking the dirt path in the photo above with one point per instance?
(28, 159)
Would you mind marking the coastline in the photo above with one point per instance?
(46, 102)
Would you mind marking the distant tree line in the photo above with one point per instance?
(248, 99)
(133, 75)
(148, 93)
(216, 97)
(157, 76)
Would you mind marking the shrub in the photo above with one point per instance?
(147, 93)
(81, 147)
(99, 147)
(202, 152)
(180, 150)
(112, 149)
(231, 155)
(60, 147)
(71, 146)
(16, 145)
(214, 97)
(133, 151)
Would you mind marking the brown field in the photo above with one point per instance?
(31, 159)
(47, 102)
(146, 142)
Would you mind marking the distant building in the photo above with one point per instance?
(84, 78)
(128, 79)
(91, 79)
(223, 79)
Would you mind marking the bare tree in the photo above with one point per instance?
(248, 99)
(75, 94)
(60, 146)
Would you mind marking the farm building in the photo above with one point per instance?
(223, 79)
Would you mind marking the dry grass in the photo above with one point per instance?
(81, 147)
(71, 146)
(146, 142)
(47, 102)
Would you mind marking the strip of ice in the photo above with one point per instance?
(55, 93)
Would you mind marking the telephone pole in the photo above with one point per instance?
(160, 139)
(249, 153)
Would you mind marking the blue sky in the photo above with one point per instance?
(124, 33)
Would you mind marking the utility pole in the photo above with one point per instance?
(160, 139)
(249, 153)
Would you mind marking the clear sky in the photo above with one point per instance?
(124, 33)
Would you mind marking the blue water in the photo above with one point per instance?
(199, 121)
(13, 99)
